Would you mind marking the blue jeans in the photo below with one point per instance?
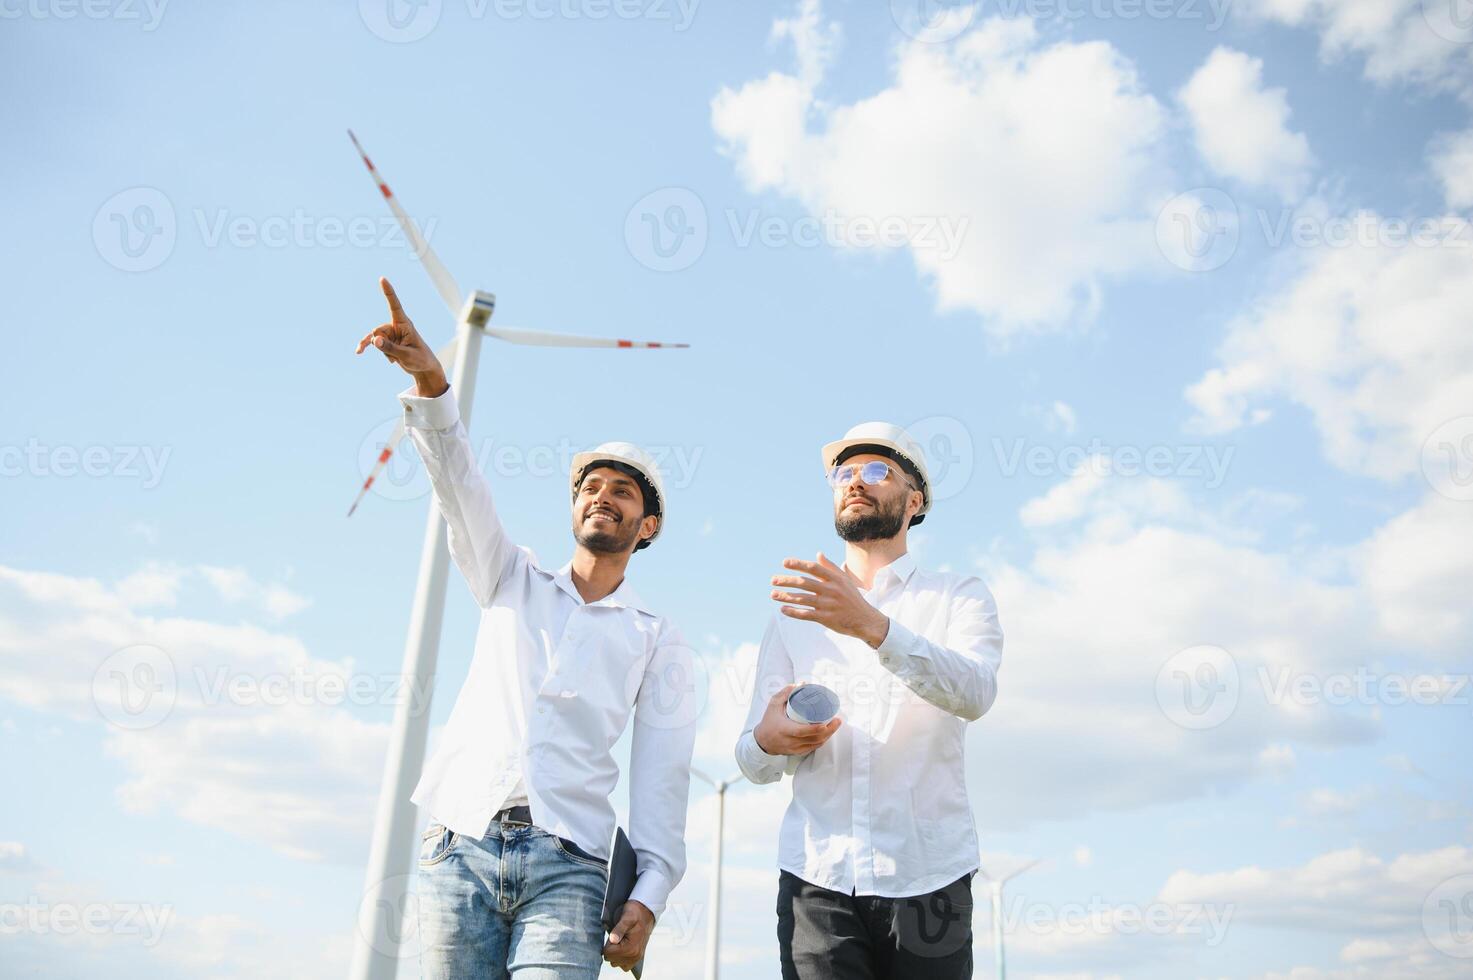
(519, 903)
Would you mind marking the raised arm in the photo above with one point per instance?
(960, 675)
(478, 543)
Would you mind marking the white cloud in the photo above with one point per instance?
(1396, 38)
(252, 736)
(1371, 338)
(1451, 157)
(237, 585)
(1047, 151)
(1350, 890)
(1241, 128)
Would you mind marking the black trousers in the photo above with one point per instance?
(827, 935)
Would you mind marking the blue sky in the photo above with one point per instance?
(1249, 447)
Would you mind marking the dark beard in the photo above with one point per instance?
(884, 523)
(613, 541)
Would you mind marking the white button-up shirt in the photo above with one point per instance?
(881, 808)
(552, 685)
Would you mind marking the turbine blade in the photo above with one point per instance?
(383, 460)
(445, 353)
(539, 338)
(439, 275)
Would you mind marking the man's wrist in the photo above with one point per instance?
(431, 384)
(876, 632)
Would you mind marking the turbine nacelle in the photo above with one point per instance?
(479, 306)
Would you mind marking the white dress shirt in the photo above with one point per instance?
(552, 685)
(881, 808)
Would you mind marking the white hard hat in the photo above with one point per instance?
(630, 455)
(884, 439)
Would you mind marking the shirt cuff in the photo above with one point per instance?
(651, 889)
(895, 649)
(755, 755)
(440, 412)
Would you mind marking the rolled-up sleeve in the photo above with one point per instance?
(478, 543)
(960, 675)
(665, 715)
(774, 672)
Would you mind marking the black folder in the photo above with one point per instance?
(623, 872)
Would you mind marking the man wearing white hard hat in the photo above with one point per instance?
(878, 848)
(514, 863)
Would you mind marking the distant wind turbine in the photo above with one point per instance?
(713, 934)
(997, 883)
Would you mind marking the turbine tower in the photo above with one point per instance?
(713, 933)
(997, 934)
(377, 941)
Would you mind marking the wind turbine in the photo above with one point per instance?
(713, 934)
(377, 937)
(997, 883)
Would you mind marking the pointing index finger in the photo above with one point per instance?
(392, 297)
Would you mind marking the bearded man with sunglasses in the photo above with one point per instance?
(877, 848)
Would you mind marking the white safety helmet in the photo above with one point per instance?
(884, 439)
(643, 463)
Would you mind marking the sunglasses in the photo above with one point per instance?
(871, 473)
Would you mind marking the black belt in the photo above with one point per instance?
(515, 814)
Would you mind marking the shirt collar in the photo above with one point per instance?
(623, 596)
(900, 570)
